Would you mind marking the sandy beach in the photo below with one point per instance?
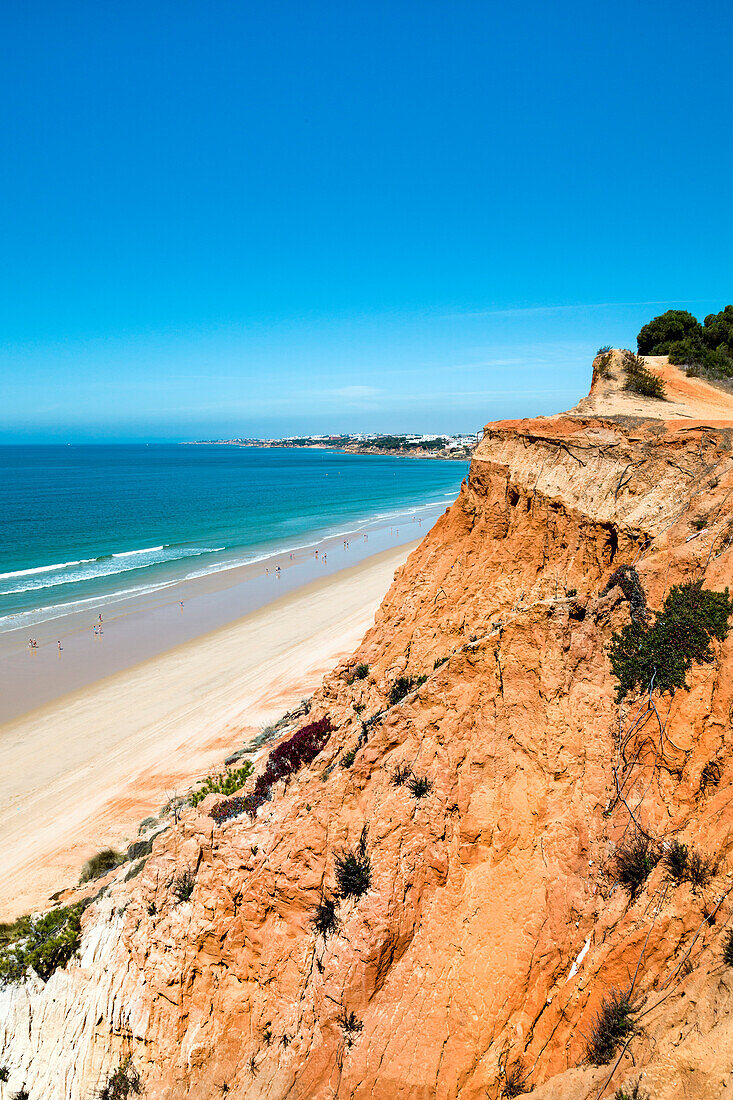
(80, 773)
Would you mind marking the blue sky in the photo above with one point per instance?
(247, 218)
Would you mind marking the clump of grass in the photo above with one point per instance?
(438, 662)
(101, 864)
(122, 1083)
(419, 786)
(325, 919)
(226, 782)
(44, 944)
(401, 774)
(4, 1074)
(516, 1081)
(612, 1026)
(661, 654)
(183, 885)
(402, 686)
(675, 862)
(699, 523)
(21, 1094)
(354, 870)
(684, 864)
(635, 860)
(359, 672)
(700, 870)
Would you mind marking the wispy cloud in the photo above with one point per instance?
(540, 310)
(355, 392)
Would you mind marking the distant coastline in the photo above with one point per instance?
(412, 446)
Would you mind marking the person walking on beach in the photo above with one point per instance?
(58, 643)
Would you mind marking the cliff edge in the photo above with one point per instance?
(421, 892)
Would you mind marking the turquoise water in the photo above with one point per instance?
(80, 523)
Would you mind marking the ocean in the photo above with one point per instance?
(96, 523)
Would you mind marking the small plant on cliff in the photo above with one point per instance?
(627, 579)
(43, 944)
(350, 1024)
(349, 757)
(612, 1026)
(630, 1092)
(325, 921)
(21, 1094)
(635, 860)
(183, 885)
(122, 1083)
(224, 783)
(660, 655)
(438, 662)
(101, 864)
(402, 686)
(684, 864)
(639, 379)
(360, 672)
(419, 786)
(516, 1081)
(401, 774)
(229, 808)
(4, 1074)
(354, 870)
(675, 862)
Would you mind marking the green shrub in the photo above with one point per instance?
(658, 334)
(639, 379)
(101, 864)
(438, 662)
(635, 860)
(223, 783)
(706, 349)
(661, 654)
(183, 885)
(360, 672)
(44, 944)
(348, 758)
(402, 686)
(612, 1026)
(354, 870)
(699, 523)
(122, 1083)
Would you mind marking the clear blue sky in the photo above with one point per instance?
(256, 218)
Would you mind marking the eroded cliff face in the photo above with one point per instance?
(494, 923)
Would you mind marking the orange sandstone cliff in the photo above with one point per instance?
(494, 924)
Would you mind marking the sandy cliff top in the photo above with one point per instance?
(687, 398)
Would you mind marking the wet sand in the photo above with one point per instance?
(79, 773)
